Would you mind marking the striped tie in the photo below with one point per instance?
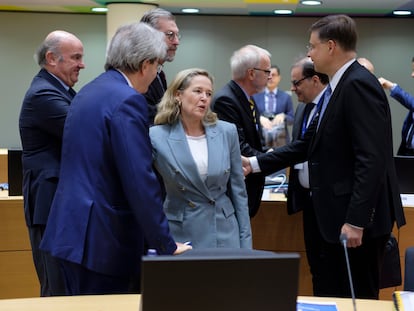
(253, 109)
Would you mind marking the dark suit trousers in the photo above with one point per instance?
(82, 281)
(328, 265)
(47, 268)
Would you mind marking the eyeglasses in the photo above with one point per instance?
(171, 35)
(297, 83)
(264, 70)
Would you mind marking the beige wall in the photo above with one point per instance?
(208, 42)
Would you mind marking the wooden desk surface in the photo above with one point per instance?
(131, 303)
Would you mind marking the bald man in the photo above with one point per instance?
(41, 122)
(366, 63)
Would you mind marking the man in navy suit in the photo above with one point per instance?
(108, 201)
(276, 111)
(41, 122)
(407, 100)
(352, 178)
(250, 66)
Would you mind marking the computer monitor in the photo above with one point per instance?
(220, 280)
(15, 172)
(404, 166)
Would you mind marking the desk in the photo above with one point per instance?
(273, 229)
(131, 303)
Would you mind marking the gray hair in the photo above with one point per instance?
(52, 43)
(132, 44)
(245, 58)
(151, 17)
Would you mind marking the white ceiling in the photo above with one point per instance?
(224, 7)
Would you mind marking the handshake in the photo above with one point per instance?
(247, 168)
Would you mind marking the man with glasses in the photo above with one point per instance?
(250, 67)
(276, 111)
(352, 178)
(163, 21)
(309, 86)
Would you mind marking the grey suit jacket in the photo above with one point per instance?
(211, 213)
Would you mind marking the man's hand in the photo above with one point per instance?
(247, 168)
(386, 84)
(354, 235)
(265, 123)
(181, 248)
(279, 119)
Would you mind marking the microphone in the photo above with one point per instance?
(344, 238)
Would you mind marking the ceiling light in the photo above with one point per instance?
(190, 10)
(311, 2)
(402, 12)
(100, 10)
(283, 12)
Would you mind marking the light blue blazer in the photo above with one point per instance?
(211, 213)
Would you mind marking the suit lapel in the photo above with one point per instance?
(297, 126)
(331, 106)
(183, 158)
(214, 141)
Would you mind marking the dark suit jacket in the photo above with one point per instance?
(108, 199)
(231, 104)
(154, 94)
(351, 166)
(407, 100)
(296, 198)
(41, 122)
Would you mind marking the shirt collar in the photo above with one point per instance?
(338, 75)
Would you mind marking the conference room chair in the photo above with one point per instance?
(409, 269)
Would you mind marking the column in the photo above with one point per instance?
(123, 13)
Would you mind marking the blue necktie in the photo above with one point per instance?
(271, 102)
(326, 98)
(410, 135)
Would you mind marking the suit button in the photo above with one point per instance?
(191, 204)
(212, 202)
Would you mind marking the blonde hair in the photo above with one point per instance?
(169, 109)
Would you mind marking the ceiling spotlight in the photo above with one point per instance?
(283, 12)
(402, 12)
(100, 10)
(311, 2)
(190, 10)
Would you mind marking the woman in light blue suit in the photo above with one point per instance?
(198, 158)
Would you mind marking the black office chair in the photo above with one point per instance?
(409, 269)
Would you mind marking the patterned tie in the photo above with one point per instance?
(271, 104)
(253, 109)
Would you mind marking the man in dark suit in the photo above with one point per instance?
(163, 21)
(309, 87)
(276, 111)
(250, 67)
(352, 177)
(41, 122)
(108, 200)
(407, 100)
